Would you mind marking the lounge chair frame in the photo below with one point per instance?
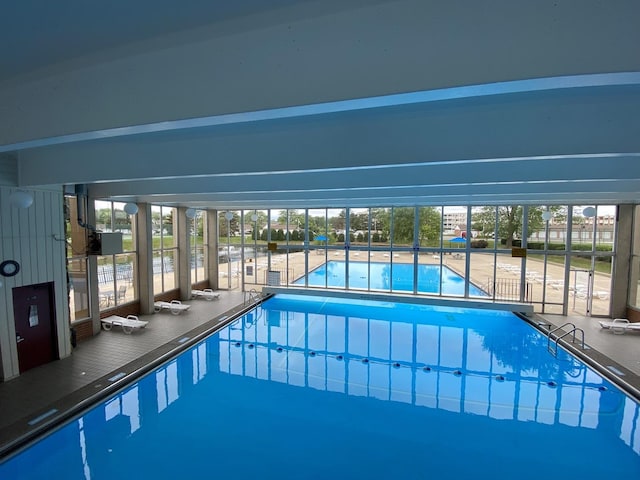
(176, 307)
(207, 294)
(619, 325)
(128, 324)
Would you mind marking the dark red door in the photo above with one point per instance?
(34, 314)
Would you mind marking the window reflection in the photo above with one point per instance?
(167, 385)
(446, 364)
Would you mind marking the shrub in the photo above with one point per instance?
(479, 244)
(514, 243)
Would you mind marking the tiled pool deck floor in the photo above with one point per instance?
(29, 402)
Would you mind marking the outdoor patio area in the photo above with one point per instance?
(481, 267)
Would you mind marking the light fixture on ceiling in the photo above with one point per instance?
(131, 208)
(589, 212)
(21, 199)
(190, 212)
(546, 215)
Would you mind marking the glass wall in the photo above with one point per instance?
(230, 242)
(255, 257)
(77, 265)
(196, 223)
(117, 280)
(165, 250)
(513, 253)
(634, 281)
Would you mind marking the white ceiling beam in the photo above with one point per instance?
(599, 120)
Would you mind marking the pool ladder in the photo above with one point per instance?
(252, 296)
(553, 348)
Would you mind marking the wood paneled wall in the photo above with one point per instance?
(34, 237)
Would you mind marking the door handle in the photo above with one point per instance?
(19, 339)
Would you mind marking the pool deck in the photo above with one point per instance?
(104, 362)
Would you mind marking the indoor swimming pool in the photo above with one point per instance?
(389, 277)
(317, 387)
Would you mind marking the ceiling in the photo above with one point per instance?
(561, 139)
(39, 33)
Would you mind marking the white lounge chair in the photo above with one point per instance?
(128, 324)
(207, 294)
(176, 307)
(619, 325)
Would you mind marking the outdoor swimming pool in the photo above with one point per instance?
(385, 276)
(316, 387)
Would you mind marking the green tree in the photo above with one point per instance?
(381, 220)
(293, 218)
(156, 222)
(339, 222)
(359, 221)
(403, 222)
(510, 220)
(167, 221)
(477, 226)
(258, 225)
(317, 225)
(228, 227)
(430, 225)
(122, 221)
(103, 217)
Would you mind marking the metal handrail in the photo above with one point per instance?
(573, 331)
(551, 331)
(254, 296)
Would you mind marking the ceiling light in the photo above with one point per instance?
(131, 208)
(21, 199)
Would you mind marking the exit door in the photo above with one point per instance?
(581, 289)
(34, 316)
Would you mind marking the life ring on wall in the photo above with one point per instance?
(9, 268)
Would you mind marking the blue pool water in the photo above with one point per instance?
(384, 276)
(340, 389)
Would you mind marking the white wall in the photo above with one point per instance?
(26, 235)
